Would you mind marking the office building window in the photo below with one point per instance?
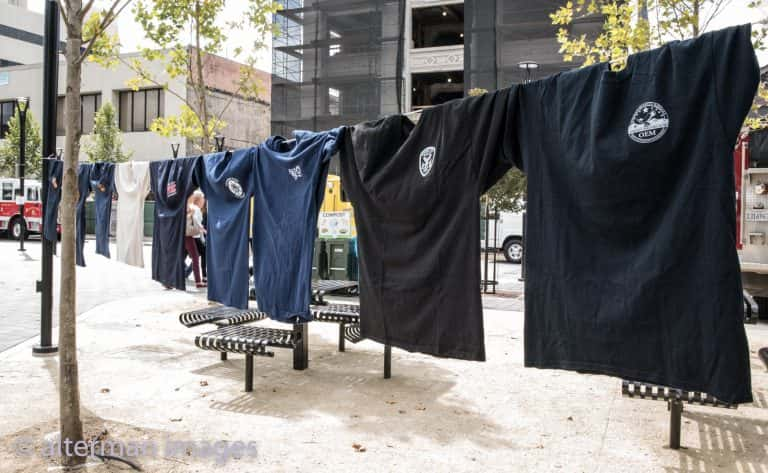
(437, 26)
(7, 109)
(89, 105)
(434, 88)
(139, 108)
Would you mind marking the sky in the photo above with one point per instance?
(735, 13)
(132, 37)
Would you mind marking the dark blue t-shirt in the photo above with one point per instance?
(289, 185)
(225, 179)
(53, 198)
(102, 179)
(84, 189)
(172, 181)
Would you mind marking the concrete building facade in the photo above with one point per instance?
(21, 75)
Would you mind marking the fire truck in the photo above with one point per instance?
(11, 222)
(751, 173)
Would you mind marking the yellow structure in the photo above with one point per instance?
(332, 203)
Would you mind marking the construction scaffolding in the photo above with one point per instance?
(336, 62)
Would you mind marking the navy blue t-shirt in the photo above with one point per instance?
(172, 181)
(631, 263)
(102, 179)
(225, 179)
(289, 185)
(84, 189)
(53, 198)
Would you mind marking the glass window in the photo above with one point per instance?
(7, 109)
(89, 105)
(438, 26)
(32, 194)
(138, 109)
(7, 191)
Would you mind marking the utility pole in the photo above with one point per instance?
(22, 104)
(50, 90)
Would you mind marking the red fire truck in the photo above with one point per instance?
(11, 222)
(751, 173)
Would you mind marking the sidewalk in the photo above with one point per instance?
(143, 379)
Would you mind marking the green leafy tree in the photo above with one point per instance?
(106, 143)
(169, 25)
(9, 148)
(636, 25)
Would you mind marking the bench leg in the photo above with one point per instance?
(387, 361)
(675, 415)
(341, 336)
(301, 351)
(248, 373)
(223, 356)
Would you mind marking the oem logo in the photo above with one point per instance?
(649, 123)
(426, 160)
(234, 187)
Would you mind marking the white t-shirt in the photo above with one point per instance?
(132, 185)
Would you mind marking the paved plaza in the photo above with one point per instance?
(143, 380)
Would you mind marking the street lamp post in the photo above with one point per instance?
(22, 104)
(528, 67)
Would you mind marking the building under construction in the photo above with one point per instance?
(341, 62)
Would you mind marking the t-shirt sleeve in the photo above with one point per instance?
(332, 140)
(488, 122)
(736, 76)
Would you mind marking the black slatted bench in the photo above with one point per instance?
(251, 341)
(346, 315)
(675, 398)
(348, 318)
(321, 287)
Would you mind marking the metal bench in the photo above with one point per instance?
(346, 315)
(253, 341)
(221, 316)
(675, 398)
(321, 287)
(348, 318)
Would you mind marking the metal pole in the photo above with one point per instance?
(22, 105)
(50, 90)
(675, 415)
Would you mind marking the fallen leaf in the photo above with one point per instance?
(391, 402)
(104, 390)
(175, 419)
(570, 418)
(400, 411)
(203, 383)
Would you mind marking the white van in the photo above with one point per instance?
(510, 236)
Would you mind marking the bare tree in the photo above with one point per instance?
(85, 36)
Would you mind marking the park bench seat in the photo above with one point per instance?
(675, 398)
(220, 315)
(252, 340)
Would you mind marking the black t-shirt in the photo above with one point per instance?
(631, 263)
(415, 190)
(172, 181)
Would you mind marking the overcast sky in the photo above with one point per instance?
(132, 38)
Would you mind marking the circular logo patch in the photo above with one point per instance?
(649, 123)
(234, 187)
(426, 160)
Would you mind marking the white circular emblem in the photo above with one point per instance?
(649, 123)
(234, 187)
(426, 160)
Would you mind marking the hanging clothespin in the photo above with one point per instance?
(219, 143)
(175, 149)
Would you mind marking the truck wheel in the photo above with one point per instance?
(15, 229)
(513, 250)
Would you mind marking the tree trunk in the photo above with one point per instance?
(695, 20)
(69, 388)
(200, 85)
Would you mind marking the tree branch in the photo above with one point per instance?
(154, 81)
(106, 22)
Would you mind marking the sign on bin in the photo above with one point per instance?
(334, 225)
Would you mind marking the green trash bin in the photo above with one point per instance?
(149, 217)
(90, 217)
